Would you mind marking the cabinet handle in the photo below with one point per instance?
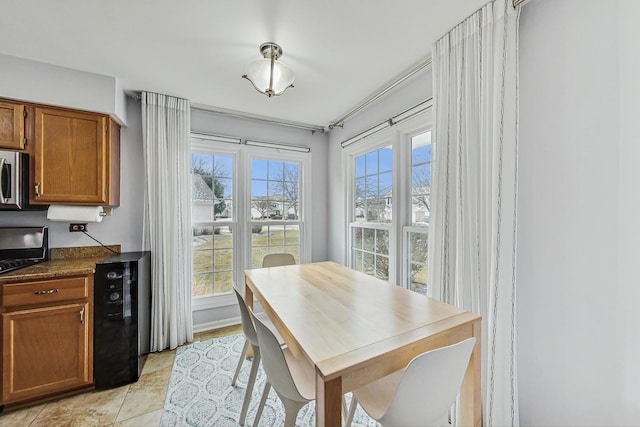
(48, 291)
(37, 188)
(82, 315)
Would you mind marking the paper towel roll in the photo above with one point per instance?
(65, 213)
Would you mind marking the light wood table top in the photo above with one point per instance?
(355, 328)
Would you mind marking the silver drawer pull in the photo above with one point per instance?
(48, 291)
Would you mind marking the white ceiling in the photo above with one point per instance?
(341, 51)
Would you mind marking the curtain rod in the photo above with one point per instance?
(399, 118)
(339, 122)
(247, 116)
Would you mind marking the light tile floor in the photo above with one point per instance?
(138, 404)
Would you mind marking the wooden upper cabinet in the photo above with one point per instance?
(76, 158)
(12, 125)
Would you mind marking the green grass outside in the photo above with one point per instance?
(215, 253)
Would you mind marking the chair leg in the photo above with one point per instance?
(291, 409)
(242, 356)
(252, 379)
(345, 412)
(352, 411)
(265, 394)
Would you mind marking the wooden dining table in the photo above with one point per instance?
(354, 328)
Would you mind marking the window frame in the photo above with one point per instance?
(399, 138)
(241, 196)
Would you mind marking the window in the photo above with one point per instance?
(388, 203)
(417, 233)
(275, 208)
(373, 211)
(212, 222)
(246, 202)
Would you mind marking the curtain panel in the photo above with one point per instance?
(472, 239)
(165, 134)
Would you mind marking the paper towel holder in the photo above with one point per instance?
(75, 214)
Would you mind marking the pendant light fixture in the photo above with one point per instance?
(267, 75)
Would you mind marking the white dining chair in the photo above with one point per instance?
(420, 394)
(277, 260)
(293, 379)
(250, 339)
(270, 260)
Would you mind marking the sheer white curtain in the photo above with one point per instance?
(165, 135)
(472, 242)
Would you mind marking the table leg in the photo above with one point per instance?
(328, 402)
(248, 299)
(248, 296)
(470, 392)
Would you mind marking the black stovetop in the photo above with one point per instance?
(22, 246)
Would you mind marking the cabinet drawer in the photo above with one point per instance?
(46, 291)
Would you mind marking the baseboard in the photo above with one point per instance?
(217, 324)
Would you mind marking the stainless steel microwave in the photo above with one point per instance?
(14, 180)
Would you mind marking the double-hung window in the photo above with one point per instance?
(213, 219)
(246, 202)
(372, 212)
(416, 232)
(275, 208)
(388, 203)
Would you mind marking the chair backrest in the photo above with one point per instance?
(274, 362)
(429, 386)
(278, 259)
(247, 325)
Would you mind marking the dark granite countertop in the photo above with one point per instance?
(52, 269)
(64, 262)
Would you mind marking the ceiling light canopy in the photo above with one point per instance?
(267, 75)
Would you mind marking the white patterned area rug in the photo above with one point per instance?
(200, 392)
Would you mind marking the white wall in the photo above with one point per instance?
(410, 93)
(578, 213)
(629, 211)
(48, 84)
(125, 225)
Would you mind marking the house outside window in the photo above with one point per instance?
(388, 203)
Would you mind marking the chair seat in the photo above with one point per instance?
(375, 397)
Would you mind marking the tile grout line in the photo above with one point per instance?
(115, 419)
(39, 413)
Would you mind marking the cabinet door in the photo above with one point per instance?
(45, 350)
(71, 156)
(12, 125)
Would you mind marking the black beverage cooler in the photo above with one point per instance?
(122, 318)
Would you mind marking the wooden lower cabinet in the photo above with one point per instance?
(47, 349)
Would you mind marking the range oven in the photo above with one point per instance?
(22, 247)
